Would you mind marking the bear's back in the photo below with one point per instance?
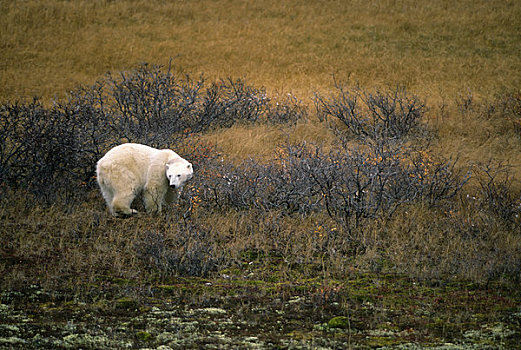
(128, 155)
(135, 155)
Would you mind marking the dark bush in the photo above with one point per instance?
(495, 194)
(228, 102)
(390, 115)
(17, 121)
(151, 106)
(232, 101)
(53, 151)
(48, 152)
(289, 110)
(350, 184)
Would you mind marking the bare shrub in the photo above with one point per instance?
(228, 102)
(152, 106)
(252, 185)
(374, 115)
(381, 201)
(52, 152)
(16, 121)
(46, 151)
(496, 194)
(349, 184)
(287, 110)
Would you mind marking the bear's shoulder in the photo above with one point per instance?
(169, 154)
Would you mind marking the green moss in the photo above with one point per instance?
(387, 326)
(144, 336)
(122, 281)
(166, 288)
(377, 342)
(127, 303)
(339, 322)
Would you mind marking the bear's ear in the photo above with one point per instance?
(189, 166)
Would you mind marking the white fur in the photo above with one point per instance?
(130, 169)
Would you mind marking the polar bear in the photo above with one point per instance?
(130, 169)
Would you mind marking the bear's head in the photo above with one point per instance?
(178, 171)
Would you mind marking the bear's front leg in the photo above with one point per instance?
(153, 200)
(171, 196)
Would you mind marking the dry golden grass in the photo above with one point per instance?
(435, 48)
(438, 50)
(261, 141)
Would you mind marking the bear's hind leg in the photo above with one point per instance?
(106, 192)
(120, 206)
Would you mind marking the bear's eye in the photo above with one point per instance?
(178, 175)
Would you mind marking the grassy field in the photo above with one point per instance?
(310, 221)
(437, 49)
